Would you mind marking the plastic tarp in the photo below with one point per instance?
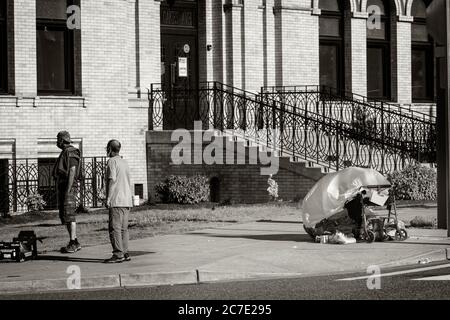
(329, 195)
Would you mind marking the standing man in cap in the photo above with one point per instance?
(118, 201)
(66, 172)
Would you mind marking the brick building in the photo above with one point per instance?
(93, 79)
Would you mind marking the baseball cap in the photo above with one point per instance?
(64, 135)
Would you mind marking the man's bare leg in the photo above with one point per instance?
(72, 229)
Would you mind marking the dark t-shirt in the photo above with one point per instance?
(73, 162)
(69, 157)
(355, 208)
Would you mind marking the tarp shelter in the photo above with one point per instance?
(329, 195)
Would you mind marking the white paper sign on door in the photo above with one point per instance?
(182, 67)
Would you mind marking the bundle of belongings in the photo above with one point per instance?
(332, 209)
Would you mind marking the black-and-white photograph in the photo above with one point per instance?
(237, 151)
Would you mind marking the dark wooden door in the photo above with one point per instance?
(179, 80)
(179, 63)
(175, 50)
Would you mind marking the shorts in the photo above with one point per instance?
(67, 209)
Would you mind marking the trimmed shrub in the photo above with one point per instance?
(414, 182)
(184, 189)
(421, 222)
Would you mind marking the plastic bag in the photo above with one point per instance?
(340, 238)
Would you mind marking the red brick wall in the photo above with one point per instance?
(238, 182)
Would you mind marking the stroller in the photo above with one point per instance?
(379, 227)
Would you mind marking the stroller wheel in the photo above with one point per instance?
(370, 237)
(401, 235)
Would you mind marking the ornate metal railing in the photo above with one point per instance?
(302, 129)
(21, 178)
(392, 123)
(290, 93)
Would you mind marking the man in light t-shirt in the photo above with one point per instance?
(118, 201)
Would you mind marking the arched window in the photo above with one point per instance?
(3, 49)
(422, 61)
(378, 51)
(331, 39)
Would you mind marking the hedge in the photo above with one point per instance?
(414, 182)
(184, 189)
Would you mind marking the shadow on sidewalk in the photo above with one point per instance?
(71, 259)
(279, 221)
(47, 225)
(436, 243)
(133, 254)
(262, 237)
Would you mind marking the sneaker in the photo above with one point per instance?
(77, 245)
(127, 257)
(70, 248)
(114, 259)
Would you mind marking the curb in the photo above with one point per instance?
(215, 276)
(178, 278)
(157, 279)
(135, 280)
(110, 281)
(102, 282)
(434, 256)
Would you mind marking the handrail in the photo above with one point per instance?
(318, 137)
(375, 120)
(339, 94)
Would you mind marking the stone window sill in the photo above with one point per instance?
(43, 101)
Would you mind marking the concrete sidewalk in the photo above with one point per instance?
(267, 249)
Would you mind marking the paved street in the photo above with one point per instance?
(258, 250)
(427, 281)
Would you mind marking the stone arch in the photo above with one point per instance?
(363, 5)
(353, 5)
(398, 6)
(409, 4)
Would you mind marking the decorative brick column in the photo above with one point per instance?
(358, 52)
(205, 38)
(253, 46)
(148, 50)
(402, 59)
(149, 43)
(234, 45)
(25, 64)
(269, 44)
(296, 43)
